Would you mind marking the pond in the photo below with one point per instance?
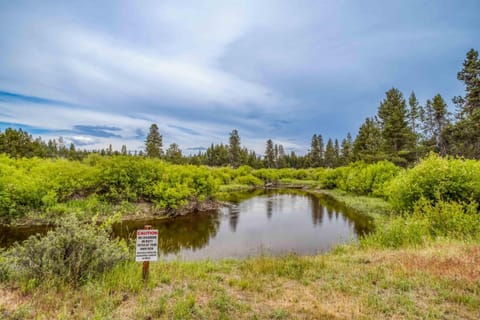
(274, 222)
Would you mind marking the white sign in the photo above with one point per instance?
(147, 245)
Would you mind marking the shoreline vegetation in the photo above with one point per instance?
(422, 260)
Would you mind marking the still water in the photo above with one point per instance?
(261, 222)
(272, 223)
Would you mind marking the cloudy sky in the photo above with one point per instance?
(100, 72)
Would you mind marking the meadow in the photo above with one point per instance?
(422, 260)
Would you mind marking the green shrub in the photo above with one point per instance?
(428, 221)
(248, 179)
(399, 232)
(435, 179)
(369, 179)
(450, 219)
(267, 175)
(332, 178)
(71, 253)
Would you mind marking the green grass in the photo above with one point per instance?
(235, 188)
(428, 282)
(374, 207)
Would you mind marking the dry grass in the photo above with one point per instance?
(441, 281)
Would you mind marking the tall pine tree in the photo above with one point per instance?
(154, 143)
(464, 136)
(398, 138)
(234, 149)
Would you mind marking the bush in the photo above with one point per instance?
(435, 179)
(369, 179)
(450, 219)
(399, 232)
(333, 178)
(428, 221)
(248, 180)
(71, 253)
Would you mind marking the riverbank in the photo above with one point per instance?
(123, 212)
(439, 281)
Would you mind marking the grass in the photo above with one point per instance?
(438, 281)
(374, 207)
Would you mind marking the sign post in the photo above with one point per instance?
(147, 248)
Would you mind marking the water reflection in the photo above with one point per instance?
(233, 216)
(189, 232)
(268, 222)
(269, 208)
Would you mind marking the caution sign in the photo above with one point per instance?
(147, 245)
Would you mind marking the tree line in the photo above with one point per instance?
(402, 131)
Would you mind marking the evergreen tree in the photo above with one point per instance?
(426, 112)
(281, 161)
(174, 154)
(440, 121)
(292, 160)
(124, 150)
(464, 136)
(414, 115)
(17, 143)
(398, 138)
(269, 154)
(346, 150)
(316, 151)
(469, 105)
(336, 162)
(368, 143)
(154, 143)
(329, 154)
(234, 149)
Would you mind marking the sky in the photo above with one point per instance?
(101, 72)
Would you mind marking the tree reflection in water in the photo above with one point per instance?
(188, 232)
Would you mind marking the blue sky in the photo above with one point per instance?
(100, 72)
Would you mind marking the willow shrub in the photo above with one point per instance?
(360, 178)
(429, 221)
(38, 185)
(435, 179)
(248, 179)
(72, 253)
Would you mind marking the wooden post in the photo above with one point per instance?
(146, 264)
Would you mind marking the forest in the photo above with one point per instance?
(413, 167)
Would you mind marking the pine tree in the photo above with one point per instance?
(470, 75)
(427, 127)
(234, 149)
(154, 143)
(321, 148)
(346, 150)
(398, 138)
(368, 143)
(440, 121)
(269, 154)
(174, 154)
(414, 115)
(316, 151)
(329, 154)
(464, 136)
(281, 161)
(337, 153)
